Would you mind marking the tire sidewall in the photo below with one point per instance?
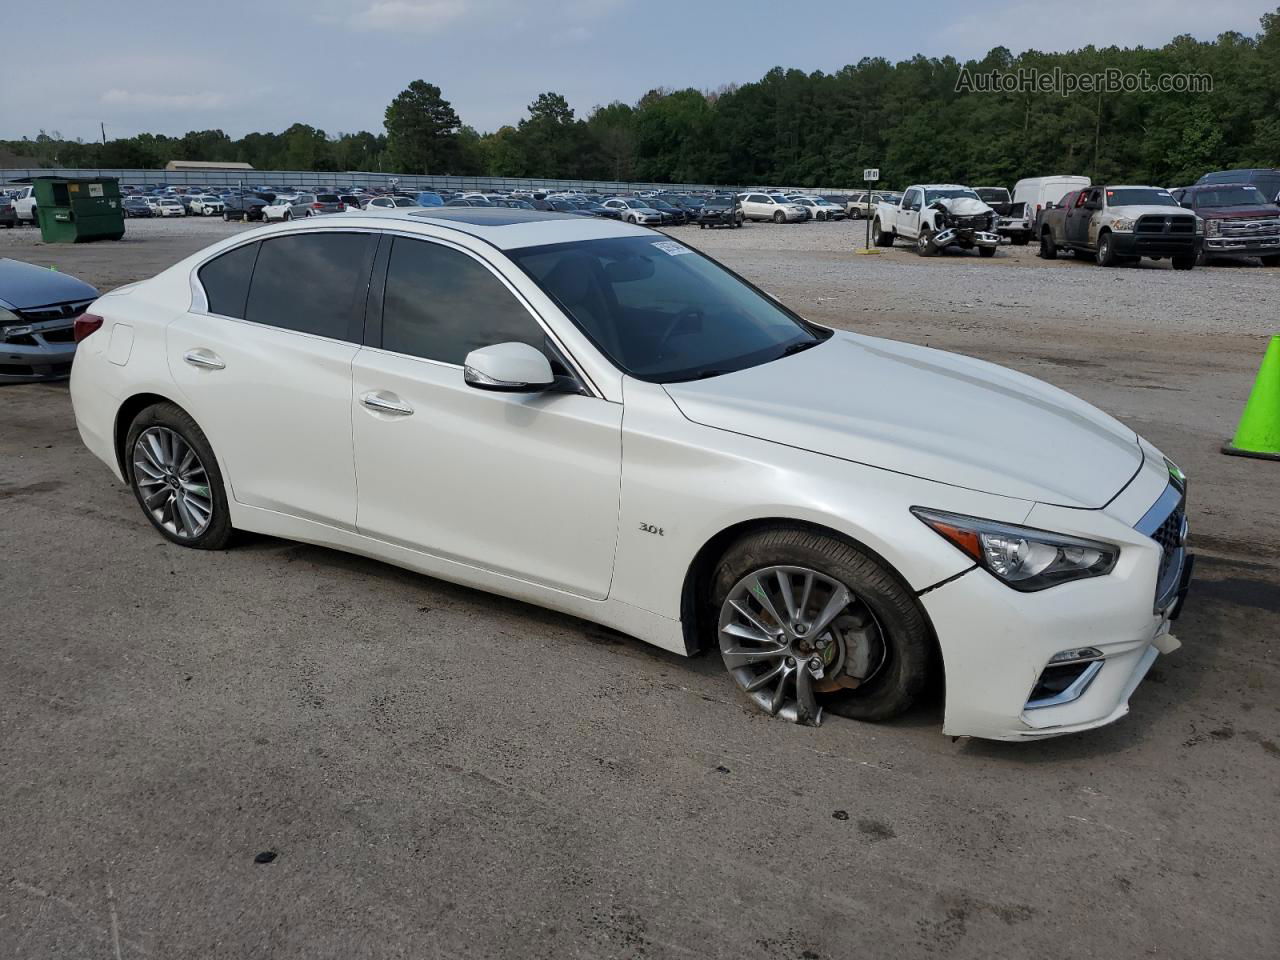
(180, 422)
(910, 656)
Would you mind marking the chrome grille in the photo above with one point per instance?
(1264, 227)
(1153, 223)
(1166, 524)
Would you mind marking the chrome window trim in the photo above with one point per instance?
(200, 300)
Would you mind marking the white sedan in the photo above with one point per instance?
(166, 207)
(592, 417)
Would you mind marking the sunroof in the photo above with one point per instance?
(483, 217)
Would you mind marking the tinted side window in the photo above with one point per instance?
(312, 283)
(441, 304)
(226, 280)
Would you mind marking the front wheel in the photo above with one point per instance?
(288, 215)
(1106, 251)
(807, 621)
(924, 243)
(1048, 249)
(1184, 263)
(1271, 260)
(986, 251)
(779, 217)
(175, 478)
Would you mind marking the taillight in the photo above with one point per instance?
(318, 206)
(86, 324)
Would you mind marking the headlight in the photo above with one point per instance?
(1021, 557)
(7, 317)
(1211, 228)
(1122, 225)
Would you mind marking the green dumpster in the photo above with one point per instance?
(78, 210)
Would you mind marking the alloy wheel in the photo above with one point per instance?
(172, 482)
(788, 633)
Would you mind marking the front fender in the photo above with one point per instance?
(684, 483)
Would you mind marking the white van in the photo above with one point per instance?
(1038, 192)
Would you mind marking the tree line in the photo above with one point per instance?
(915, 120)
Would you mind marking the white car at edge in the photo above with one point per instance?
(589, 416)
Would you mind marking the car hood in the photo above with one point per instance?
(24, 286)
(964, 206)
(1253, 212)
(923, 412)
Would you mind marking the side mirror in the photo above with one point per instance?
(508, 368)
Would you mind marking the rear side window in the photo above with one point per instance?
(313, 283)
(226, 280)
(441, 304)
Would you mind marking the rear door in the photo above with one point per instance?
(1076, 223)
(264, 366)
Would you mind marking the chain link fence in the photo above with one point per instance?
(312, 179)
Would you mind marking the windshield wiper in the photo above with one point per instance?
(797, 347)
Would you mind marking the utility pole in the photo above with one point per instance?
(104, 132)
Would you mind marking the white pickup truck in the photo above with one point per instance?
(24, 204)
(935, 216)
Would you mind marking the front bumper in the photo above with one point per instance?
(1156, 244)
(43, 354)
(997, 643)
(978, 238)
(1242, 246)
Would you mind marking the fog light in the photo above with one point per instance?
(1072, 656)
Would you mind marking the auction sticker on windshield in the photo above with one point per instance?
(671, 248)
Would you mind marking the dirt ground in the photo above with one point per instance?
(442, 773)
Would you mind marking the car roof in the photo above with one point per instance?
(507, 228)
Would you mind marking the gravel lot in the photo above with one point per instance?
(442, 773)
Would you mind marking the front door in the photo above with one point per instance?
(519, 484)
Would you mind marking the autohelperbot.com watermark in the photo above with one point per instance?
(1065, 82)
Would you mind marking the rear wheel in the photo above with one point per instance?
(175, 478)
(1048, 249)
(1021, 239)
(1271, 261)
(880, 238)
(1184, 263)
(807, 621)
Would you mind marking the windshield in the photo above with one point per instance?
(716, 202)
(661, 311)
(636, 204)
(1140, 196)
(931, 195)
(1229, 197)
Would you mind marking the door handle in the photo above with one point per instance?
(204, 359)
(386, 403)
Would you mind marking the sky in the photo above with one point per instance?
(246, 65)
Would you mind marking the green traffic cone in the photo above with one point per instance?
(1259, 432)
